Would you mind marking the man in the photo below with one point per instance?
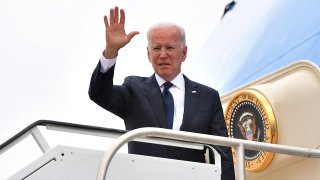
(145, 102)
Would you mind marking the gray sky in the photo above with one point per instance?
(49, 49)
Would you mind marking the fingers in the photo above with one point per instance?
(106, 22)
(114, 16)
(111, 16)
(122, 16)
(116, 23)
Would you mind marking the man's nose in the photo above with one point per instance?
(163, 53)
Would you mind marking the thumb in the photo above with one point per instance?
(132, 34)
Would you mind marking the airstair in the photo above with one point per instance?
(68, 162)
(65, 162)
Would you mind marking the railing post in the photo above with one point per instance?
(40, 140)
(240, 166)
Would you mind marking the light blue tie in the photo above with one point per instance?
(169, 104)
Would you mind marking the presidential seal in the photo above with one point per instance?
(249, 116)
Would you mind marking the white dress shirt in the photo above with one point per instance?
(177, 90)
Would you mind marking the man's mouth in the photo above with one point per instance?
(164, 64)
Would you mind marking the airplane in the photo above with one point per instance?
(253, 45)
(259, 37)
(262, 48)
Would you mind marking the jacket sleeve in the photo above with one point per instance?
(103, 92)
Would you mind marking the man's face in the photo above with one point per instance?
(166, 52)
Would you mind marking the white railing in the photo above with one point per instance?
(238, 144)
(156, 136)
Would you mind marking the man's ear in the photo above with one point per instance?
(184, 53)
(148, 54)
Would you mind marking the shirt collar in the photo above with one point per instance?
(178, 81)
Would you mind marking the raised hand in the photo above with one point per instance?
(116, 37)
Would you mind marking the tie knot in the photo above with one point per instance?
(167, 85)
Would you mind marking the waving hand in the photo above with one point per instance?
(116, 37)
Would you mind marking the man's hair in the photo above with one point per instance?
(168, 24)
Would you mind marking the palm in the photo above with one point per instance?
(116, 36)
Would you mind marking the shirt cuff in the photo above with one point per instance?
(106, 64)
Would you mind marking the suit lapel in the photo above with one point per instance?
(156, 101)
(190, 103)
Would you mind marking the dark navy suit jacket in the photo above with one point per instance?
(139, 103)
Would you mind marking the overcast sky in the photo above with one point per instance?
(49, 49)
